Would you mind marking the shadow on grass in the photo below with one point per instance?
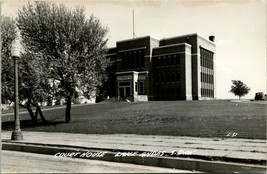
(9, 125)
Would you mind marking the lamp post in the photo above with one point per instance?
(15, 53)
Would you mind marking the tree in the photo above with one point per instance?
(72, 47)
(8, 34)
(239, 88)
(30, 84)
(33, 86)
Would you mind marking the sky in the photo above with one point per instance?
(239, 27)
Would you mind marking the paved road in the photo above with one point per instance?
(13, 162)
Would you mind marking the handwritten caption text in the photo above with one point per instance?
(89, 154)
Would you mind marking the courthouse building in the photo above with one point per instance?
(176, 68)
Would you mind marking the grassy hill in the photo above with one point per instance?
(219, 118)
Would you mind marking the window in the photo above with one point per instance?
(141, 86)
(123, 60)
(136, 86)
(177, 76)
(124, 83)
(137, 60)
(158, 91)
(168, 92)
(206, 58)
(124, 89)
(167, 77)
(163, 78)
(178, 92)
(178, 59)
(154, 61)
(132, 61)
(142, 58)
(172, 92)
(172, 60)
(127, 61)
(159, 78)
(172, 77)
(163, 92)
(167, 61)
(161, 61)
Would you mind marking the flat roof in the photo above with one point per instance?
(138, 38)
(173, 45)
(186, 35)
(168, 38)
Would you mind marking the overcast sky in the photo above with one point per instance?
(239, 27)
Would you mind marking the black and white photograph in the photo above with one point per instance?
(133, 86)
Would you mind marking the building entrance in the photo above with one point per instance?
(125, 92)
(124, 89)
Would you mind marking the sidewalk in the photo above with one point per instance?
(244, 153)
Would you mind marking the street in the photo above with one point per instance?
(13, 162)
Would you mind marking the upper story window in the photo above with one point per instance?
(177, 59)
(178, 76)
(142, 58)
(172, 60)
(133, 59)
(206, 58)
(167, 60)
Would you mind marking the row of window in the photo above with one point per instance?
(168, 77)
(208, 63)
(207, 92)
(133, 59)
(168, 92)
(206, 58)
(207, 78)
(166, 60)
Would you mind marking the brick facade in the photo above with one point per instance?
(177, 68)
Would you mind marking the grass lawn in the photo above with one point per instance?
(178, 118)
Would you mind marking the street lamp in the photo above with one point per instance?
(15, 53)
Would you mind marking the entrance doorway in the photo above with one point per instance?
(124, 89)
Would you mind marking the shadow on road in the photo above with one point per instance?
(9, 125)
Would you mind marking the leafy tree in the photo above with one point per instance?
(72, 47)
(30, 85)
(33, 86)
(239, 88)
(8, 34)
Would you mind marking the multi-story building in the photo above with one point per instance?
(177, 68)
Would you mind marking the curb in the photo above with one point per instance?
(159, 161)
